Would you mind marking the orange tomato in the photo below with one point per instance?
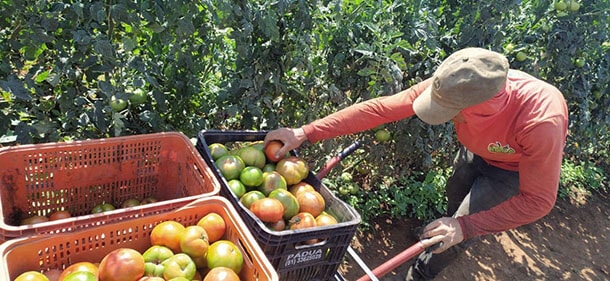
(311, 202)
(302, 220)
(221, 274)
(271, 150)
(325, 219)
(214, 225)
(301, 186)
(167, 234)
(268, 209)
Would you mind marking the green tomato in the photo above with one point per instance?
(579, 62)
(521, 56)
(117, 104)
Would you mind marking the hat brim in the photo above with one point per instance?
(430, 111)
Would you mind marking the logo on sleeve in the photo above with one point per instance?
(497, 147)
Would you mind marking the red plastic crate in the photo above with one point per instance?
(288, 250)
(44, 252)
(76, 176)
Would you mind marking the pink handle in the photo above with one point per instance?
(396, 261)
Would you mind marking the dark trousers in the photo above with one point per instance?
(473, 187)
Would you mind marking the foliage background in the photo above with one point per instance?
(258, 65)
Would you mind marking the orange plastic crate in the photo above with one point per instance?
(76, 176)
(45, 252)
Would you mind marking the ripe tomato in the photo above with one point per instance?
(302, 220)
(122, 264)
(301, 186)
(311, 202)
(271, 150)
(79, 266)
(221, 274)
(214, 225)
(268, 209)
(224, 253)
(31, 276)
(194, 242)
(167, 234)
(293, 169)
(57, 215)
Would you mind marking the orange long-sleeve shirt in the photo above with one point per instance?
(522, 128)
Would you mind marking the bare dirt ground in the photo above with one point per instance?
(571, 243)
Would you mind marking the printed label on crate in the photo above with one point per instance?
(305, 256)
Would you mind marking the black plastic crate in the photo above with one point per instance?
(286, 250)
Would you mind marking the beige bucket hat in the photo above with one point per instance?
(467, 77)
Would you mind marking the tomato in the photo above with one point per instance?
(230, 166)
(217, 150)
(250, 197)
(214, 225)
(383, 135)
(122, 264)
(194, 242)
(53, 274)
(154, 257)
(148, 200)
(167, 234)
(80, 276)
(325, 219)
(237, 187)
(272, 181)
(269, 167)
(302, 220)
(224, 253)
(289, 201)
(102, 208)
(138, 97)
(252, 156)
(117, 104)
(34, 220)
(132, 202)
(293, 169)
(271, 150)
(58, 215)
(31, 276)
(179, 265)
(151, 278)
(521, 56)
(79, 266)
(311, 202)
(301, 186)
(221, 274)
(277, 226)
(251, 176)
(268, 209)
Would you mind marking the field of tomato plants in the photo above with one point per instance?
(72, 70)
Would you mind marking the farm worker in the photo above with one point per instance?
(512, 128)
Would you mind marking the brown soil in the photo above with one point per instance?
(571, 243)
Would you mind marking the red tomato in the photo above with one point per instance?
(122, 264)
(271, 150)
(268, 209)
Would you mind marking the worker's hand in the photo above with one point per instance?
(292, 138)
(446, 231)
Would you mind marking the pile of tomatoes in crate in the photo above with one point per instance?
(272, 188)
(176, 252)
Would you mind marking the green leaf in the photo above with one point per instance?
(16, 87)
